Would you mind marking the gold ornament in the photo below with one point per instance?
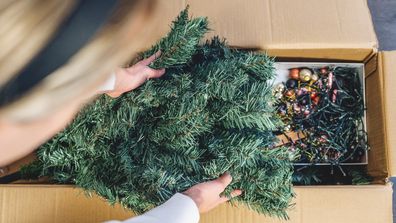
(280, 87)
(278, 90)
(305, 75)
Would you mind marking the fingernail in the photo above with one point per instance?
(238, 192)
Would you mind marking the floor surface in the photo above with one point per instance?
(384, 17)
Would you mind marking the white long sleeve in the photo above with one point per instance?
(178, 209)
(109, 84)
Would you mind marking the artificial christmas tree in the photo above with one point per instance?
(210, 113)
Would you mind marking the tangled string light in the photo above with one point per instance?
(326, 106)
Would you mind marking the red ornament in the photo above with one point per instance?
(315, 100)
(323, 139)
(294, 73)
(314, 95)
(323, 70)
(289, 93)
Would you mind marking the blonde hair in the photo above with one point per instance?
(28, 25)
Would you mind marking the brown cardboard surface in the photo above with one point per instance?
(53, 204)
(320, 29)
(377, 164)
(299, 28)
(389, 82)
(363, 204)
(371, 66)
(58, 204)
(163, 13)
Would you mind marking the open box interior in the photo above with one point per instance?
(282, 70)
(376, 158)
(375, 197)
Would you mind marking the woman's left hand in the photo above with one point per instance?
(127, 79)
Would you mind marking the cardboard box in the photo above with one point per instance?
(299, 30)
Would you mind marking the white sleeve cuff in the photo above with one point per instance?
(178, 209)
(109, 84)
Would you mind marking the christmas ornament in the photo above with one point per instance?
(278, 90)
(323, 139)
(305, 75)
(289, 93)
(323, 70)
(291, 83)
(315, 100)
(294, 73)
(280, 87)
(314, 95)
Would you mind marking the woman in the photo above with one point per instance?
(56, 55)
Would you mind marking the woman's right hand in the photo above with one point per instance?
(207, 195)
(132, 77)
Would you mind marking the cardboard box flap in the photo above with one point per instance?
(388, 65)
(324, 204)
(364, 204)
(293, 28)
(284, 28)
(377, 166)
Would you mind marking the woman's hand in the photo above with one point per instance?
(127, 79)
(207, 195)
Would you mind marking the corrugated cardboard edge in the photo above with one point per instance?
(338, 29)
(324, 204)
(377, 138)
(388, 65)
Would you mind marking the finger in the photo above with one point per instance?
(155, 73)
(233, 194)
(147, 61)
(224, 180)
